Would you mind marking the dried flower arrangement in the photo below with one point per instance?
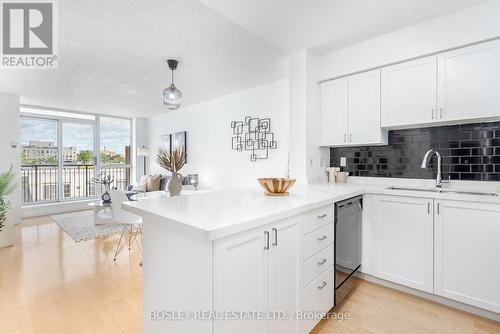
(173, 161)
(105, 179)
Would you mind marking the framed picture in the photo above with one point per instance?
(166, 144)
(172, 141)
(179, 140)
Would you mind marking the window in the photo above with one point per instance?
(114, 152)
(59, 157)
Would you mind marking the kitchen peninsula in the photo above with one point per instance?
(218, 262)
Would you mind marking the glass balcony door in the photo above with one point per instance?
(78, 159)
(62, 152)
(40, 174)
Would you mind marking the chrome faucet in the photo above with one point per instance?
(425, 164)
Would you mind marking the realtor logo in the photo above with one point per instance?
(28, 34)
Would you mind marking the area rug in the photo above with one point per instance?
(80, 226)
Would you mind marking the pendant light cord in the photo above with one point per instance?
(172, 76)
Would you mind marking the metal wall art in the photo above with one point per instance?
(253, 134)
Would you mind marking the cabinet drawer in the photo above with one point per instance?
(318, 264)
(317, 218)
(317, 240)
(318, 297)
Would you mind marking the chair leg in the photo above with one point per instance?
(134, 235)
(139, 242)
(130, 236)
(117, 251)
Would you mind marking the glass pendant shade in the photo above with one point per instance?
(172, 97)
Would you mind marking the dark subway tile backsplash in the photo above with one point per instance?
(469, 151)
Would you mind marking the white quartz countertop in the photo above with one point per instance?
(221, 213)
(217, 214)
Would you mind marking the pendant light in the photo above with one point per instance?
(172, 96)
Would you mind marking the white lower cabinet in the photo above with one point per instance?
(467, 253)
(284, 266)
(318, 297)
(258, 271)
(266, 270)
(241, 270)
(402, 241)
(449, 248)
(318, 271)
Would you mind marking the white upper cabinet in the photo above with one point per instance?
(469, 82)
(334, 109)
(350, 110)
(409, 92)
(364, 109)
(467, 253)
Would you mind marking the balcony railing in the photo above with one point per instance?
(41, 183)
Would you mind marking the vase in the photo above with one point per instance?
(174, 185)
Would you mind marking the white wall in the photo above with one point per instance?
(208, 127)
(10, 132)
(307, 159)
(298, 102)
(469, 25)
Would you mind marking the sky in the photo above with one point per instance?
(115, 133)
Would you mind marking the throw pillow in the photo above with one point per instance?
(153, 183)
(142, 185)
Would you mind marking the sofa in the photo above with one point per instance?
(163, 183)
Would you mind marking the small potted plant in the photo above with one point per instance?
(173, 162)
(7, 185)
(106, 180)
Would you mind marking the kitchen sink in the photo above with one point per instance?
(445, 191)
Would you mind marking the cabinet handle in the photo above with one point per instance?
(275, 232)
(322, 262)
(322, 216)
(432, 111)
(441, 113)
(429, 207)
(345, 138)
(438, 209)
(323, 237)
(322, 285)
(266, 240)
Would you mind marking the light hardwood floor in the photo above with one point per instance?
(50, 284)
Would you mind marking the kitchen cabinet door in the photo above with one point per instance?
(241, 281)
(467, 253)
(468, 81)
(334, 104)
(364, 109)
(403, 241)
(409, 92)
(284, 275)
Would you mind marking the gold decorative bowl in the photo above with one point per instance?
(276, 186)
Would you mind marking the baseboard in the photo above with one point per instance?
(438, 299)
(30, 211)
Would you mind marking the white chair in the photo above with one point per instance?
(132, 224)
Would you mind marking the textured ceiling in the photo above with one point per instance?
(111, 53)
(326, 25)
(111, 57)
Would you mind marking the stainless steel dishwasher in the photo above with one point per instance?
(348, 219)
